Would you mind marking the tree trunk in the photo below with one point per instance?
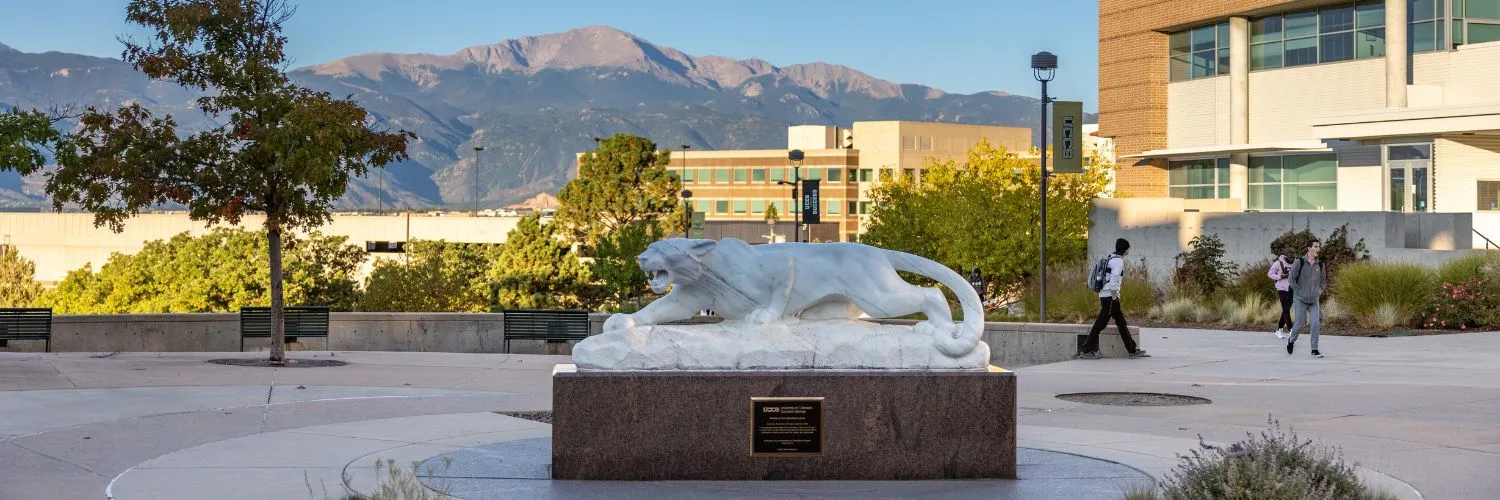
(278, 311)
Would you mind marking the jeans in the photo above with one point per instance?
(1304, 310)
(1109, 308)
(1286, 309)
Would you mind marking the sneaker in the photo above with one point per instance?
(1280, 334)
(1316, 354)
(1141, 353)
(1089, 355)
(1288, 347)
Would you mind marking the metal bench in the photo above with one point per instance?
(553, 325)
(301, 321)
(26, 324)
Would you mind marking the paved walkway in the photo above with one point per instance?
(1420, 410)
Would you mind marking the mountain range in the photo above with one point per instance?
(532, 103)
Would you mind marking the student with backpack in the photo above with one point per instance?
(1309, 277)
(1106, 278)
(1280, 272)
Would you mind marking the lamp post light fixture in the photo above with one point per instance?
(1043, 67)
(687, 196)
(795, 156)
(477, 149)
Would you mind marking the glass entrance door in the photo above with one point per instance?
(1409, 179)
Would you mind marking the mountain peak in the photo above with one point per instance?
(6, 48)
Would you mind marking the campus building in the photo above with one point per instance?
(735, 188)
(1306, 106)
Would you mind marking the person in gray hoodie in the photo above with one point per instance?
(1309, 278)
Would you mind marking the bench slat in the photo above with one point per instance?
(27, 323)
(533, 324)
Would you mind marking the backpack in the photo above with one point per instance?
(1099, 275)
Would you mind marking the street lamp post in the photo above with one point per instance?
(1044, 67)
(477, 149)
(687, 196)
(795, 156)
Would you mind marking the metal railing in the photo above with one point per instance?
(1488, 244)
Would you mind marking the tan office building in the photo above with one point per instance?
(735, 188)
(1274, 105)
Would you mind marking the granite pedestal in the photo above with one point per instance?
(696, 425)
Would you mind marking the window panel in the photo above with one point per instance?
(1264, 30)
(721, 206)
(1223, 29)
(703, 206)
(780, 207)
(835, 174)
(739, 206)
(1223, 61)
(835, 207)
(924, 143)
(1310, 196)
(1369, 15)
(1300, 25)
(1458, 32)
(778, 174)
(1336, 47)
(1480, 33)
(687, 175)
(721, 175)
(1265, 197)
(866, 174)
(758, 206)
(1422, 37)
(1180, 44)
(812, 173)
(853, 207)
(740, 175)
(758, 175)
(1301, 52)
(1421, 10)
(1311, 168)
(1204, 38)
(1205, 64)
(1266, 56)
(1482, 8)
(1489, 195)
(1222, 165)
(1265, 169)
(1369, 43)
(1409, 152)
(1336, 19)
(1181, 69)
(864, 207)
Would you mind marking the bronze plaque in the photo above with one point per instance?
(786, 427)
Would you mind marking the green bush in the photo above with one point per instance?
(1175, 310)
(1468, 267)
(1336, 250)
(1250, 281)
(1202, 268)
(1270, 466)
(1069, 298)
(1365, 286)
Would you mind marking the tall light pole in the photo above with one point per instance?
(1044, 67)
(795, 157)
(477, 149)
(687, 196)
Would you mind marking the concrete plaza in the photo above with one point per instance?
(1417, 413)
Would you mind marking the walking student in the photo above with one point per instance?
(1308, 279)
(1109, 307)
(1281, 271)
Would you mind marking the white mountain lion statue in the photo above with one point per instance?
(786, 282)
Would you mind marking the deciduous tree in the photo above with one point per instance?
(986, 212)
(283, 151)
(432, 276)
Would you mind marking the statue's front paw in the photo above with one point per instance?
(761, 317)
(619, 321)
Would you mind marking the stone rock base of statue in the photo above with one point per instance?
(793, 345)
(783, 424)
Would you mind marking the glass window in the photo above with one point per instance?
(813, 173)
(758, 206)
(1422, 37)
(1310, 168)
(1481, 8)
(1205, 38)
(780, 207)
(703, 206)
(1369, 43)
(1409, 152)
(1223, 61)
(1224, 35)
(721, 175)
(1198, 179)
(1198, 53)
(687, 175)
(758, 175)
(721, 207)
(1489, 195)
(1265, 197)
(1421, 10)
(865, 174)
(1369, 15)
(739, 206)
(924, 143)
(864, 207)
(834, 207)
(778, 174)
(1181, 69)
(1301, 52)
(908, 143)
(1293, 182)
(835, 174)
(1336, 47)
(853, 207)
(1265, 30)
(1335, 19)
(1310, 196)
(740, 174)
(1480, 33)
(1300, 25)
(1265, 56)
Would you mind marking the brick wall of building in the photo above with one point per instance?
(1133, 77)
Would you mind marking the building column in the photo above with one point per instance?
(1239, 107)
(1396, 59)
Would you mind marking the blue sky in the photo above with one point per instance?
(960, 46)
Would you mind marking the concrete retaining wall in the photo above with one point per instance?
(1011, 344)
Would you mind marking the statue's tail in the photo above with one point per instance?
(966, 336)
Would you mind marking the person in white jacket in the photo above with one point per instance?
(1109, 307)
(1281, 271)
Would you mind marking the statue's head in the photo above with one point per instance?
(674, 261)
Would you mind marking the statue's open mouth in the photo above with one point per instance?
(658, 279)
